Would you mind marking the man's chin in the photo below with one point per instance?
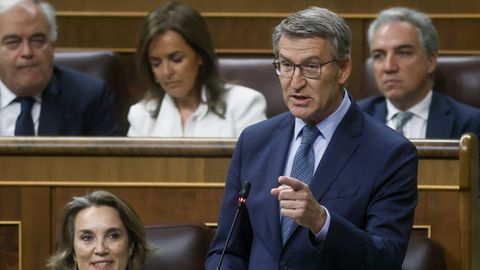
(303, 114)
(28, 88)
(394, 93)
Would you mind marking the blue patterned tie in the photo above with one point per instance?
(401, 118)
(302, 168)
(24, 124)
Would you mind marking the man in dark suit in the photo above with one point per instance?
(36, 97)
(331, 188)
(403, 47)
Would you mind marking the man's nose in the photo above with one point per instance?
(26, 49)
(390, 64)
(298, 80)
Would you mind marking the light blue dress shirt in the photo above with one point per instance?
(327, 128)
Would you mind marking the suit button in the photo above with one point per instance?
(283, 266)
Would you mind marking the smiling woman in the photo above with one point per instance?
(99, 230)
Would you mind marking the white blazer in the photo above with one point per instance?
(244, 106)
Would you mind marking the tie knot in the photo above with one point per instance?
(25, 103)
(401, 118)
(310, 133)
(403, 115)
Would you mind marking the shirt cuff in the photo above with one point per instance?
(322, 235)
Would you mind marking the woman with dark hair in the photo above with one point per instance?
(99, 231)
(186, 95)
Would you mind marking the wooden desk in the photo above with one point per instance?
(181, 181)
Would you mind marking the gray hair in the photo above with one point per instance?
(427, 33)
(45, 7)
(316, 22)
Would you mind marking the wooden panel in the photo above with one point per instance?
(158, 205)
(447, 6)
(236, 33)
(431, 210)
(120, 33)
(54, 159)
(358, 47)
(447, 182)
(98, 32)
(10, 252)
(124, 169)
(31, 207)
(422, 231)
(429, 174)
(458, 34)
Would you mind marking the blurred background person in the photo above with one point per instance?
(186, 96)
(36, 96)
(404, 48)
(99, 231)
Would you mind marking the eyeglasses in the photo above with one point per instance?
(309, 70)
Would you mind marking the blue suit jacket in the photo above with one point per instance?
(448, 118)
(366, 179)
(76, 104)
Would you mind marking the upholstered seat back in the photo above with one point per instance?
(459, 77)
(423, 254)
(256, 72)
(181, 247)
(184, 247)
(456, 76)
(106, 66)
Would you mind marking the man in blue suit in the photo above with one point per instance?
(403, 47)
(36, 97)
(331, 187)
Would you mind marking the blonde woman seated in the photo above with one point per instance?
(99, 231)
(186, 95)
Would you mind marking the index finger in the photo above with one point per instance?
(295, 184)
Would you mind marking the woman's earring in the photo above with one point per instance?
(76, 266)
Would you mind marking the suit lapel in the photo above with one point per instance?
(279, 148)
(52, 108)
(344, 142)
(440, 120)
(380, 111)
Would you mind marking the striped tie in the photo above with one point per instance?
(302, 168)
(401, 118)
(24, 125)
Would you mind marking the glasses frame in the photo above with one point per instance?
(276, 64)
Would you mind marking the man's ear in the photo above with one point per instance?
(345, 69)
(432, 62)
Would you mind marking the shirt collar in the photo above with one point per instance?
(198, 114)
(328, 125)
(7, 96)
(202, 108)
(420, 110)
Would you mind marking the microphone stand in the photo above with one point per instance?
(242, 199)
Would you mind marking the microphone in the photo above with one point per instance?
(242, 199)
